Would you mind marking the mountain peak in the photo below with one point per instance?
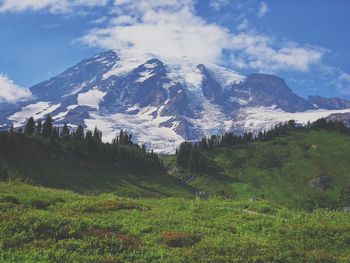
(161, 101)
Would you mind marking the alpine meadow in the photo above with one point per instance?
(174, 131)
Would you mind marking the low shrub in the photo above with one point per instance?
(10, 199)
(38, 204)
(179, 239)
(110, 205)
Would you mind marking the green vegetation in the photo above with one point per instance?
(78, 160)
(44, 225)
(303, 168)
(279, 197)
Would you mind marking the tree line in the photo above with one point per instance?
(122, 150)
(189, 154)
(47, 129)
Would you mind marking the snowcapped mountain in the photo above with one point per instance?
(163, 101)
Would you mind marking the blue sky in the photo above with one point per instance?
(305, 42)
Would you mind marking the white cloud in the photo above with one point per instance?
(168, 28)
(171, 28)
(10, 92)
(341, 82)
(345, 76)
(100, 20)
(335, 78)
(263, 9)
(260, 52)
(54, 6)
(243, 25)
(218, 4)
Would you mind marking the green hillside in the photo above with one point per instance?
(303, 169)
(257, 200)
(44, 225)
(85, 167)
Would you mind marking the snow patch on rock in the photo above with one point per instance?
(145, 75)
(37, 111)
(91, 98)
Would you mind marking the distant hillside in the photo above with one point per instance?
(302, 168)
(85, 165)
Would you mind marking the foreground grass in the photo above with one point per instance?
(44, 225)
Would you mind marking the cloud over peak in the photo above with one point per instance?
(168, 28)
(173, 29)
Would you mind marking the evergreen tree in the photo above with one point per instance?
(79, 134)
(29, 127)
(55, 133)
(121, 137)
(47, 127)
(38, 128)
(91, 142)
(184, 155)
(97, 136)
(194, 161)
(65, 133)
(204, 144)
(115, 141)
(12, 129)
(291, 124)
(247, 137)
(124, 138)
(308, 125)
(89, 136)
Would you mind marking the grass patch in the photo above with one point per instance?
(108, 228)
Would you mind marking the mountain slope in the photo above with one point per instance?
(301, 169)
(162, 101)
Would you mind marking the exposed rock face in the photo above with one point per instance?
(267, 90)
(210, 87)
(329, 103)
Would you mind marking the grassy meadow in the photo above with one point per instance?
(44, 225)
